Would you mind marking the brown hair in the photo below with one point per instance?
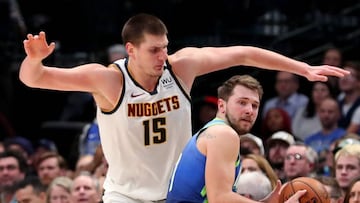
(47, 155)
(226, 89)
(140, 24)
(265, 167)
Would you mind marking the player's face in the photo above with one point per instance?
(242, 109)
(151, 54)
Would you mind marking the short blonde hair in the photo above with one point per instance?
(61, 181)
(349, 150)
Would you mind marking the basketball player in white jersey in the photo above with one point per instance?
(143, 101)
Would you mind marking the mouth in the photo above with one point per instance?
(246, 122)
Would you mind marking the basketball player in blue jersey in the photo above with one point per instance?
(143, 101)
(209, 164)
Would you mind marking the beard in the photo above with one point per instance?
(241, 127)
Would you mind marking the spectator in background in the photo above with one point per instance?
(349, 138)
(21, 144)
(350, 101)
(59, 190)
(250, 143)
(347, 165)
(254, 162)
(352, 195)
(99, 166)
(13, 169)
(306, 120)
(276, 119)
(49, 166)
(300, 161)
(287, 96)
(116, 52)
(332, 187)
(334, 57)
(41, 146)
(30, 190)
(85, 188)
(277, 145)
(329, 114)
(253, 185)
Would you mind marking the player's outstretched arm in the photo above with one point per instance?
(199, 61)
(34, 73)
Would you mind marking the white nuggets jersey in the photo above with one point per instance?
(144, 135)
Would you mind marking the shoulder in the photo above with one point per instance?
(300, 96)
(182, 56)
(220, 133)
(270, 102)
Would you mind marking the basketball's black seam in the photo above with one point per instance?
(314, 191)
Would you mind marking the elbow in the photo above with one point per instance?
(25, 79)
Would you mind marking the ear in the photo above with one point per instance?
(221, 105)
(129, 48)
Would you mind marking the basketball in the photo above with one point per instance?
(316, 191)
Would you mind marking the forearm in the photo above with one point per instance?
(231, 197)
(270, 60)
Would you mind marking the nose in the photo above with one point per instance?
(249, 109)
(163, 55)
(357, 197)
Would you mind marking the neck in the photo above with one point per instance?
(328, 130)
(146, 81)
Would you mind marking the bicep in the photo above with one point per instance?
(222, 154)
(191, 62)
(85, 78)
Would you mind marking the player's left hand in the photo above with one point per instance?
(321, 73)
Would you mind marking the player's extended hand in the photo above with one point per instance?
(36, 46)
(320, 73)
(295, 198)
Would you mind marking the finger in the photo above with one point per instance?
(299, 194)
(30, 36)
(52, 46)
(42, 35)
(340, 70)
(319, 77)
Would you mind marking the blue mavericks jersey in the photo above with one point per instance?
(187, 183)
